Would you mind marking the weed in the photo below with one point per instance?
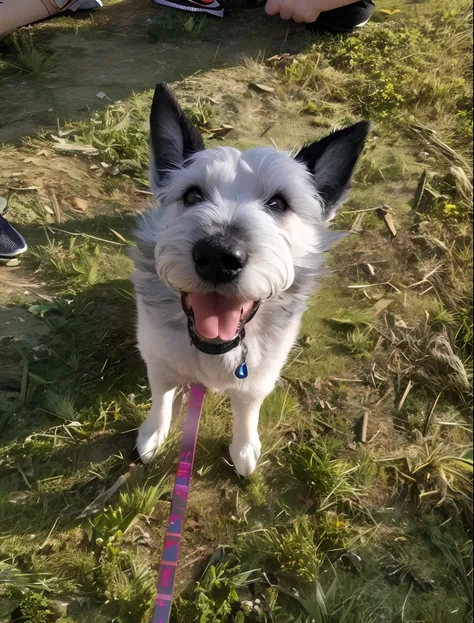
(77, 262)
(61, 406)
(216, 596)
(295, 549)
(120, 133)
(352, 318)
(328, 479)
(130, 591)
(35, 609)
(360, 342)
(16, 580)
(385, 68)
(459, 561)
(201, 114)
(32, 60)
(436, 473)
(113, 523)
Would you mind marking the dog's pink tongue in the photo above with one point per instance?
(216, 315)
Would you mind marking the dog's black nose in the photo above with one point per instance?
(219, 259)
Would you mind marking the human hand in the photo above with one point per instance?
(298, 10)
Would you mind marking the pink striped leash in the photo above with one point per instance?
(179, 503)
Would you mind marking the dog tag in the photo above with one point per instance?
(242, 371)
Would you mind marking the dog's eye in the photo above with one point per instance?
(193, 196)
(277, 204)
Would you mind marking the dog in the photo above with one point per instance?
(226, 263)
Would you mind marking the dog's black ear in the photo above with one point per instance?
(173, 138)
(332, 161)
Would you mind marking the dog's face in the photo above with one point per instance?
(235, 228)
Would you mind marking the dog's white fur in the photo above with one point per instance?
(284, 257)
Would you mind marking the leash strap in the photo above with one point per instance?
(179, 503)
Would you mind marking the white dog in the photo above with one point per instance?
(226, 263)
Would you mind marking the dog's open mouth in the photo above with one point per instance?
(215, 322)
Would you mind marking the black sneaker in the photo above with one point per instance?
(11, 242)
(344, 19)
(212, 7)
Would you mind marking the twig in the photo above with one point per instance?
(24, 189)
(364, 210)
(384, 397)
(55, 204)
(323, 423)
(384, 215)
(82, 235)
(420, 191)
(96, 505)
(375, 435)
(217, 52)
(50, 533)
(269, 127)
(363, 432)
(358, 222)
(426, 426)
(405, 395)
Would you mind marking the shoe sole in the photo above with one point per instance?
(196, 9)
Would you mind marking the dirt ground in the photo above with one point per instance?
(107, 51)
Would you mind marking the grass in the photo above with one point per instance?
(170, 25)
(27, 57)
(329, 529)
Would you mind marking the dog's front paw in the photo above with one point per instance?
(148, 441)
(245, 455)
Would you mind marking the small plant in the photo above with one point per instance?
(120, 134)
(215, 598)
(30, 59)
(114, 522)
(360, 342)
(201, 114)
(294, 548)
(460, 560)
(434, 474)
(16, 580)
(79, 262)
(35, 609)
(352, 318)
(130, 591)
(328, 479)
(61, 406)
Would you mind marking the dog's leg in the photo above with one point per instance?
(245, 447)
(154, 429)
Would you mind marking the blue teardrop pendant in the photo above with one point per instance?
(242, 371)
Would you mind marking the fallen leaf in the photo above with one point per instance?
(19, 497)
(265, 88)
(76, 148)
(220, 132)
(192, 525)
(80, 204)
(380, 306)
